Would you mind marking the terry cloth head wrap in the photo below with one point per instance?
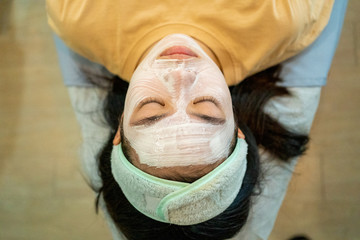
(178, 202)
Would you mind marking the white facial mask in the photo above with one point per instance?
(181, 138)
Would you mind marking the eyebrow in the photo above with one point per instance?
(209, 119)
(149, 121)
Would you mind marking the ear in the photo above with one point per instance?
(117, 138)
(240, 134)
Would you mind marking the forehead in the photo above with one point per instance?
(181, 144)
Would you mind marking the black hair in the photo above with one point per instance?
(249, 98)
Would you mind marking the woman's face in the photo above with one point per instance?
(178, 109)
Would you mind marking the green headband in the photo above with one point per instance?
(178, 202)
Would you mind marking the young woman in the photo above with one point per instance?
(181, 161)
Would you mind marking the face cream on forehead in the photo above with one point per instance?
(168, 145)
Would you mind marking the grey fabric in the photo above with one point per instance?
(295, 112)
(79, 71)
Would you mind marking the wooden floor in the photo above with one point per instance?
(43, 194)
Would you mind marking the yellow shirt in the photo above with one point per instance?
(246, 36)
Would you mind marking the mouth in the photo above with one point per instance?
(177, 52)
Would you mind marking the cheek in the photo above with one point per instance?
(210, 76)
(208, 84)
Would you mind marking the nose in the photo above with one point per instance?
(180, 80)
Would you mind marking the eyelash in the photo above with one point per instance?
(198, 100)
(206, 99)
(151, 100)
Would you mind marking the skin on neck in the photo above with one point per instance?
(208, 51)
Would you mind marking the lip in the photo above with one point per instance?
(178, 52)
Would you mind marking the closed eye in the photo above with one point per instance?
(148, 111)
(210, 112)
